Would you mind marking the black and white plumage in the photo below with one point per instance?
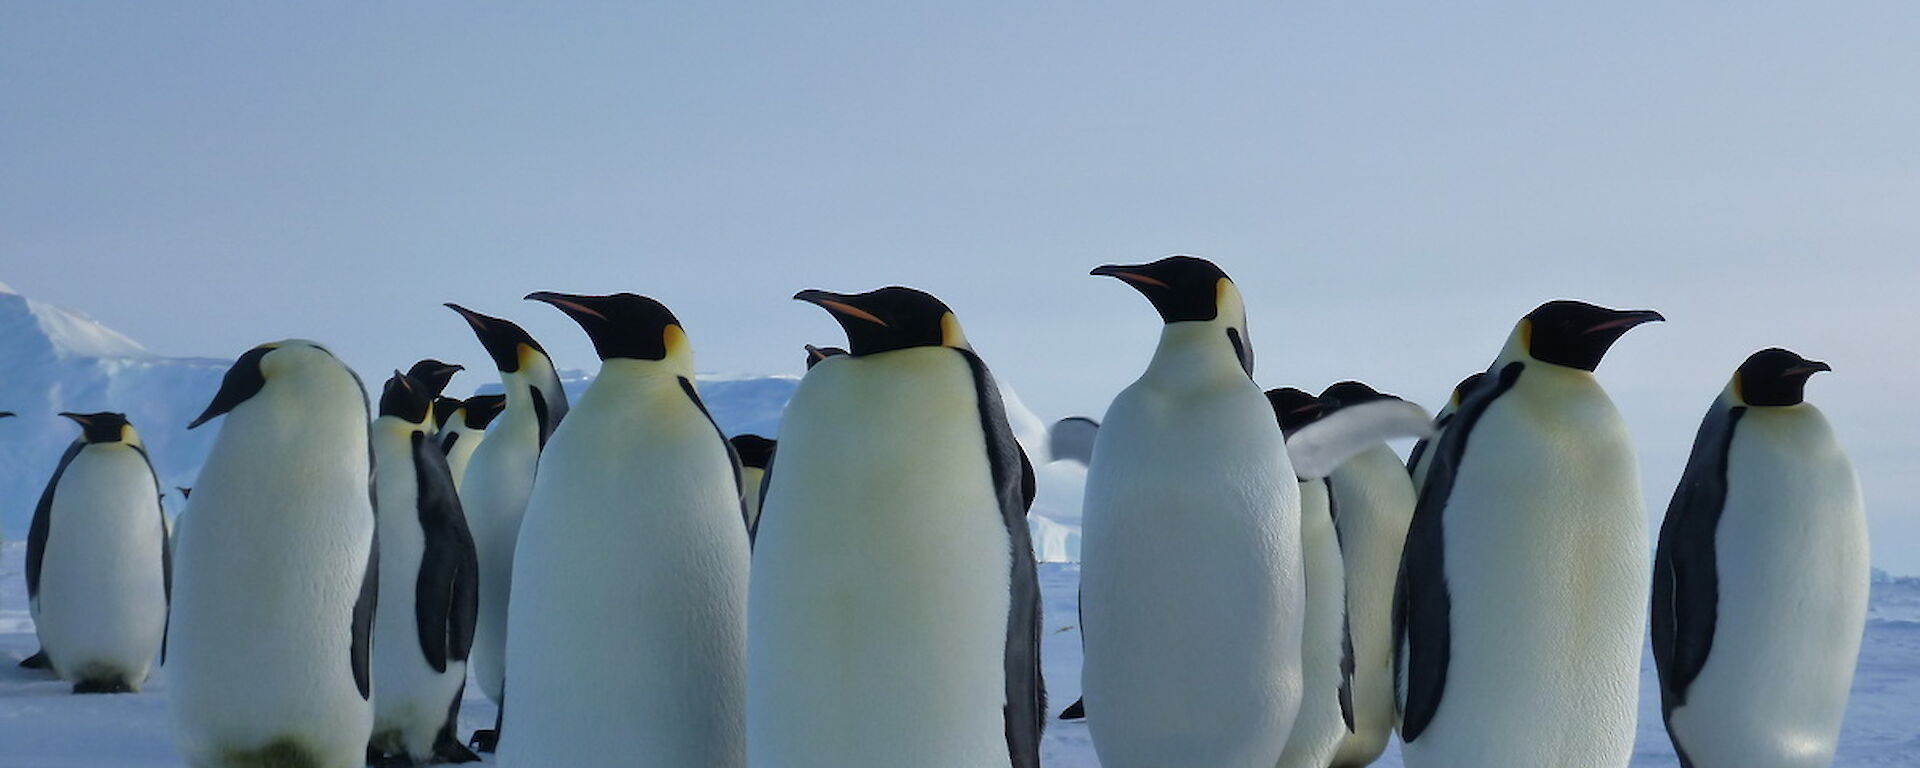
(1761, 578)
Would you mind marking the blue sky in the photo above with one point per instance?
(1390, 186)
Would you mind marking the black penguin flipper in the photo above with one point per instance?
(166, 553)
(446, 592)
(360, 646)
(1026, 707)
(1346, 671)
(1422, 605)
(1686, 581)
(766, 482)
(733, 456)
(1029, 483)
(1075, 711)
(43, 520)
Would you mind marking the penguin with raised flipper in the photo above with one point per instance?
(1761, 578)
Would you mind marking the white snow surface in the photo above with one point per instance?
(44, 726)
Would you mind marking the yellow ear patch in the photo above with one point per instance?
(525, 354)
(673, 339)
(126, 433)
(950, 333)
(1739, 388)
(1526, 334)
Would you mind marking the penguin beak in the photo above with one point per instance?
(839, 304)
(501, 339)
(1625, 320)
(1132, 274)
(1807, 368)
(576, 307)
(817, 354)
(6, 414)
(81, 419)
(241, 383)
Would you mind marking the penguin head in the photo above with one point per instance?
(888, 319)
(406, 398)
(478, 411)
(1575, 334)
(1295, 408)
(1774, 377)
(625, 326)
(817, 354)
(754, 451)
(510, 346)
(434, 374)
(1347, 393)
(1465, 387)
(443, 410)
(104, 427)
(253, 370)
(1189, 289)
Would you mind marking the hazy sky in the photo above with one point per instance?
(1391, 188)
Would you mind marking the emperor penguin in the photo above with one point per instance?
(895, 604)
(424, 627)
(465, 428)
(1365, 418)
(1761, 578)
(1522, 595)
(1192, 593)
(273, 601)
(98, 566)
(502, 469)
(756, 457)
(1374, 499)
(627, 639)
(1417, 460)
(817, 354)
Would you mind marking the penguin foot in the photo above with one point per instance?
(38, 660)
(1075, 711)
(447, 750)
(114, 685)
(484, 740)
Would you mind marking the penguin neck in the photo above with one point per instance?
(535, 379)
(1196, 352)
(629, 372)
(396, 427)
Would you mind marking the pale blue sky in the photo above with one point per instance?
(1391, 187)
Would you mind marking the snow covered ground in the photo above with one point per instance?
(43, 726)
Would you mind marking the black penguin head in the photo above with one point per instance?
(103, 427)
(1576, 334)
(1182, 288)
(443, 409)
(755, 451)
(891, 318)
(250, 373)
(1347, 393)
(480, 410)
(817, 354)
(624, 325)
(505, 342)
(1295, 408)
(1775, 377)
(406, 398)
(434, 374)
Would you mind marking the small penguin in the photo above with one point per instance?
(274, 590)
(502, 469)
(1374, 498)
(1522, 595)
(465, 428)
(817, 354)
(1761, 578)
(1417, 460)
(627, 639)
(98, 565)
(1192, 514)
(895, 602)
(756, 457)
(424, 627)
